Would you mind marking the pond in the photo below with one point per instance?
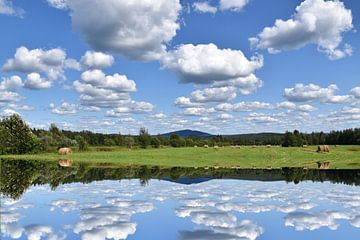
(45, 201)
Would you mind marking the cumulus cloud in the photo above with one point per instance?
(130, 106)
(36, 61)
(198, 111)
(317, 22)
(261, 118)
(97, 89)
(6, 96)
(293, 106)
(185, 102)
(135, 29)
(233, 5)
(7, 8)
(206, 63)
(355, 92)
(35, 81)
(37, 232)
(97, 60)
(12, 83)
(21, 107)
(219, 94)
(59, 4)
(243, 106)
(312, 221)
(314, 93)
(204, 7)
(64, 109)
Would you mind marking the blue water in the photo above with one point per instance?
(215, 209)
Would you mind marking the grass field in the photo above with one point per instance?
(340, 157)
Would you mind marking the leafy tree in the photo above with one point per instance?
(144, 138)
(129, 141)
(155, 142)
(83, 145)
(15, 136)
(109, 141)
(177, 141)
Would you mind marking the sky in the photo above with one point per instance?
(219, 66)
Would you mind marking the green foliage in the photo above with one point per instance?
(144, 138)
(109, 142)
(15, 136)
(176, 141)
(129, 141)
(155, 142)
(295, 139)
(82, 144)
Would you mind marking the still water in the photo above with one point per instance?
(49, 202)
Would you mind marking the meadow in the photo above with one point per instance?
(340, 157)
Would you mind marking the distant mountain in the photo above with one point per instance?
(188, 133)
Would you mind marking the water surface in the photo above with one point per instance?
(45, 201)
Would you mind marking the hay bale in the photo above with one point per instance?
(216, 147)
(323, 148)
(65, 151)
(268, 146)
(195, 146)
(323, 165)
(206, 146)
(65, 162)
(237, 146)
(305, 146)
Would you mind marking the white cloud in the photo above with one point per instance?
(314, 93)
(243, 106)
(37, 61)
(293, 106)
(355, 92)
(135, 29)
(7, 8)
(59, 4)
(225, 116)
(130, 106)
(98, 60)
(245, 85)
(197, 111)
(204, 7)
(206, 63)
(37, 232)
(116, 82)
(64, 109)
(11, 84)
(97, 89)
(185, 102)
(6, 96)
(318, 22)
(233, 5)
(35, 81)
(220, 94)
(261, 118)
(21, 107)
(312, 221)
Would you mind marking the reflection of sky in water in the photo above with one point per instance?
(216, 209)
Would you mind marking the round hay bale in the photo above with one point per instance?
(206, 146)
(216, 147)
(65, 162)
(305, 146)
(195, 146)
(268, 146)
(323, 148)
(65, 151)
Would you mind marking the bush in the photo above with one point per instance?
(16, 137)
(82, 144)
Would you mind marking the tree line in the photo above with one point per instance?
(16, 137)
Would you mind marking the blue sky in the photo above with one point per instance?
(216, 66)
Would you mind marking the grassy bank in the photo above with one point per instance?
(340, 157)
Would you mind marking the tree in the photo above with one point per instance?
(129, 141)
(83, 145)
(176, 141)
(288, 140)
(109, 141)
(144, 138)
(155, 142)
(16, 137)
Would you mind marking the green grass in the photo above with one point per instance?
(340, 157)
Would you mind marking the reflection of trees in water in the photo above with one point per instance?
(19, 175)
